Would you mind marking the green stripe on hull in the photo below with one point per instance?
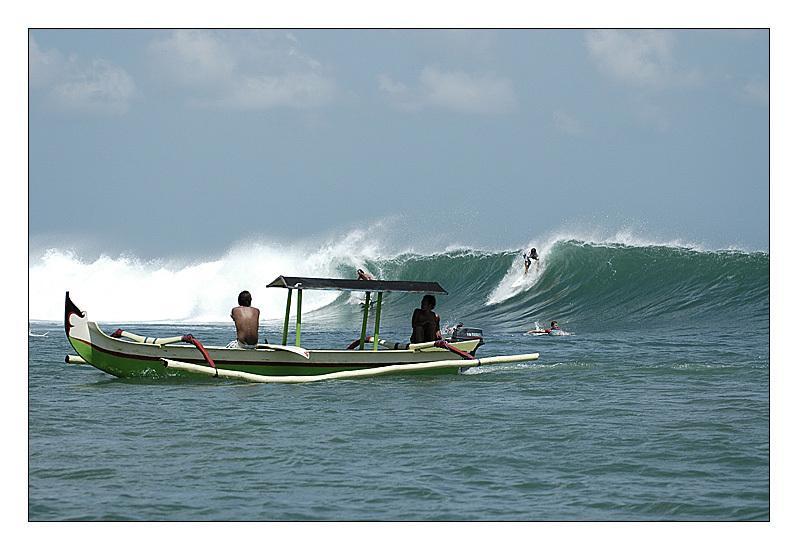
(122, 367)
(128, 367)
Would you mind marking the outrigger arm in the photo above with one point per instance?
(361, 373)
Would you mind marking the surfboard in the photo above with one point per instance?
(539, 332)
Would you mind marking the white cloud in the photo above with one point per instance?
(640, 58)
(43, 66)
(72, 85)
(568, 124)
(100, 88)
(193, 58)
(756, 90)
(241, 70)
(452, 90)
(265, 92)
(391, 87)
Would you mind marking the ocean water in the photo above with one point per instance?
(654, 406)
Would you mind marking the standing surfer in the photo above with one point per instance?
(533, 255)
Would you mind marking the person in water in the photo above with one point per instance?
(554, 327)
(246, 319)
(363, 276)
(533, 255)
(426, 323)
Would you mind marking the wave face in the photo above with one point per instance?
(584, 285)
(591, 285)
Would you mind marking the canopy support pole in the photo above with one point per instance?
(377, 321)
(298, 314)
(365, 320)
(287, 314)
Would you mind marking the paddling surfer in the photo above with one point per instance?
(363, 276)
(554, 327)
(246, 319)
(533, 255)
(426, 323)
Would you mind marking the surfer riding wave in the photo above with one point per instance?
(533, 255)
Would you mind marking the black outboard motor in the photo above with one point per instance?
(461, 334)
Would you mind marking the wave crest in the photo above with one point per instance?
(579, 282)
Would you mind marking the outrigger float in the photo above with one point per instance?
(127, 355)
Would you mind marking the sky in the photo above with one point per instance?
(184, 142)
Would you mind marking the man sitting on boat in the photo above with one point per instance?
(246, 319)
(426, 323)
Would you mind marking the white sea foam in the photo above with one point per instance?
(125, 288)
(129, 289)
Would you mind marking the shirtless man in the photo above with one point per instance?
(554, 327)
(246, 319)
(426, 323)
(363, 276)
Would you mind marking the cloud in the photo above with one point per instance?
(241, 70)
(100, 88)
(756, 90)
(451, 90)
(567, 124)
(638, 58)
(43, 66)
(71, 85)
(265, 92)
(193, 58)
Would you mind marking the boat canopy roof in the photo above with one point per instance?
(314, 283)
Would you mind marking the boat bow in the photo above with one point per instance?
(75, 321)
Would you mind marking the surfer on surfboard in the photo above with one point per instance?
(554, 328)
(533, 255)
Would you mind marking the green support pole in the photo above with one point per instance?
(298, 314)
(365, 320)
(377, 320)
(287, 314)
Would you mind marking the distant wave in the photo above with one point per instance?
(589, 283)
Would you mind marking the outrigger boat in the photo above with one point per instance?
(127, 355)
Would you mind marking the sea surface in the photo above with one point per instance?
(653, 406)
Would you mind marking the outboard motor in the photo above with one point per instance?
(461, 334)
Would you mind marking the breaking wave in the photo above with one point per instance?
(581, 283)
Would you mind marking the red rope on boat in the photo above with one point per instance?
(447, 346)
(356, 343)
(188, 338)
(117, 333)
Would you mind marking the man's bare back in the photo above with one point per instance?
(246, 320)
